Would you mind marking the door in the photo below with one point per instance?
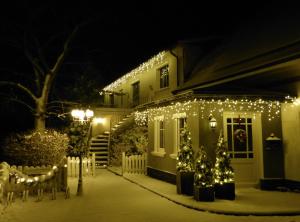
(243, 135)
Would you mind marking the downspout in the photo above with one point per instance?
(177, 68)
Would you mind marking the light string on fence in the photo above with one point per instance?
(23, 178)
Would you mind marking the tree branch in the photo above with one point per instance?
(67, 44)
(21, 102)
(21, 87)
(63, 54)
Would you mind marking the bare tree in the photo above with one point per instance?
(44, 67)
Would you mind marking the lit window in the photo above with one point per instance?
(164, 76)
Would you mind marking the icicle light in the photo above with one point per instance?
(202, 107)
(155, 60)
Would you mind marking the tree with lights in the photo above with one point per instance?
(223, 172)
(185, 164)
(185, 158)
(203, 179)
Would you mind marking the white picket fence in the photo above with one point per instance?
(134, 163)
(88, 166)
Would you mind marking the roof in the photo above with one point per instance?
(265, 47)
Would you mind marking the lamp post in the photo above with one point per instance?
(83, 117)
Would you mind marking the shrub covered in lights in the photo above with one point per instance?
(185, 157)
(203, 170)
(36, 148)
(223, 172)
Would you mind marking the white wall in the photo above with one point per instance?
(291, 141)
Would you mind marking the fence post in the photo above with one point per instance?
(64, 169)
(123, 163)
(145, 163)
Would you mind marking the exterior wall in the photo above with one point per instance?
(148, 79)
(202, 134)
(111, 116)
(291, 141)
(167, 163)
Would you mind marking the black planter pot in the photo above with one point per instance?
(225, 191)
(204, 193)
(185, 183)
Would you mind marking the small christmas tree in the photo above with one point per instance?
(203, 170)
(223, 172)
(185, 157)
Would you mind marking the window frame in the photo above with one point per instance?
(158, 150)
(176, 143)
(164, 81)
(249, 151)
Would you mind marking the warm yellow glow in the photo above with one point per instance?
(82, 115)
(297, 102)
(78, 114)
(99, 120)
(89, 113)
(157, 59)
(212, 121)
(198, 107)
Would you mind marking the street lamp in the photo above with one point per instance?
(83, 117)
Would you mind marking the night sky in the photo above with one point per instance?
(120, 36)
(116, 38)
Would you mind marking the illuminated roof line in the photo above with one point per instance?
(157, 59)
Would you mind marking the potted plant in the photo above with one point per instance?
(203, 178)
(223, 172)
(184, 165)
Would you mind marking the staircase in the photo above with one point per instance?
(123, 124)
(99, 145)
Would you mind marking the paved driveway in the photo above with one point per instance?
(108, 197)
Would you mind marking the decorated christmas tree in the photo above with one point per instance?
(185, 157)
(203, 170)
(223, 172)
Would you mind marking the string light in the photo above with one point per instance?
(203, 107)
(144, 67)
(23, 178)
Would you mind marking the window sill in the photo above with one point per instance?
(160, 154)
(173, 155)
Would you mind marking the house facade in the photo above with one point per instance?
(242, 84)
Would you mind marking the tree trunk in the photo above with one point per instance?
(40, 120)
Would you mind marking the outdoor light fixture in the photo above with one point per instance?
(81, 115)
(99, 120)
(212, 121)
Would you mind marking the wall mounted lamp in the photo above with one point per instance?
(212, 121)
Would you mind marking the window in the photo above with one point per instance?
(159, 136)
(164, 76)
(136, 94)
(179, 124)
(239, 137)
